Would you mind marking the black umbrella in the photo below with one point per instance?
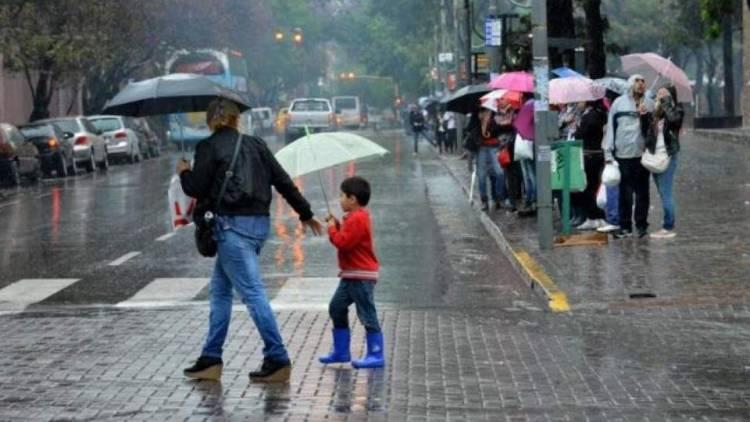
(175, 93)
(466, 99)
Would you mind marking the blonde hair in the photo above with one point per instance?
(222, 113)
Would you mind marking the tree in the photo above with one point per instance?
(48, 42)
(595, 28)
(718, 16)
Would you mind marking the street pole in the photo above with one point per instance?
(545, 124)
(493, 52)
(467, 29)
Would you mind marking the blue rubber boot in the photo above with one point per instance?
(340, 352)
(374, 357)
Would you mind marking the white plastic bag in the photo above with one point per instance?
(180, 205)
(522, 149)
(611, 174)
(601, 197)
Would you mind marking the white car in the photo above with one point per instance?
(89, 149)
(120, 135)
(263, 120)
(313, 114)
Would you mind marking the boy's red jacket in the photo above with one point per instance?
(356, 251)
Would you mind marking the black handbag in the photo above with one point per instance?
(204, 219)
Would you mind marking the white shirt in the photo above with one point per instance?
(450, 120)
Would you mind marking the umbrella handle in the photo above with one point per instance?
(320, 176)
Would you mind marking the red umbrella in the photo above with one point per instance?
(514, 81)
(655, 69)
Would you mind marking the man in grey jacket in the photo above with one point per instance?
(625, 143)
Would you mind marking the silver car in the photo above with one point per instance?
(120, 135)
(89, 149)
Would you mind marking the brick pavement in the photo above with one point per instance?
(707, 262)
(443, 364)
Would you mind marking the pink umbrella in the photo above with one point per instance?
(657, 70)
(514, 81)
(574, 90)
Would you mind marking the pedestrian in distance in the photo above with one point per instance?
(241, 226)
(665, 124)
(417, 124)
(353, 238)
(625, 143)
(449, 119)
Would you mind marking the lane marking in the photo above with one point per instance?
(558, 300)
(121, 260)
(16, 202)
(305, 293)
(166, 291)
(166, 236)
(24, 292)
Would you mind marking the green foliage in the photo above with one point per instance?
(713, 13)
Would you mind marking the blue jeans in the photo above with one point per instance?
(240, 240)
(664, 183)
(362, 294)
(613, 205)
(487, 165)
(529, 180)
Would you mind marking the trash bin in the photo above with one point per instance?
(568, 174)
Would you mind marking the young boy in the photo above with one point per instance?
(359, 273)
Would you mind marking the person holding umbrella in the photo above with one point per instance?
(241, 227)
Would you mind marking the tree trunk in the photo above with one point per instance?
(596, 57)
(711, 73)
(728, 67)
(699, 66)
(41, 96)
(560, 24)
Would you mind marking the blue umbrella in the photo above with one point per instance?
(566, 72)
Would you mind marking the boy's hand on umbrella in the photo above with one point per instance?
(332, 221)
(314, 225)
(182, 165)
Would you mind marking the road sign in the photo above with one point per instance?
(445, 57)
(493, 32)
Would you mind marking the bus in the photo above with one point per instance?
(225, 67)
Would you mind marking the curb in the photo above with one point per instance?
(526, 266)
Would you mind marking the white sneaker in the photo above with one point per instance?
(588, 225)
(663, 234)
(608, 228)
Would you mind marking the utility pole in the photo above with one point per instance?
(545, 125)
(467, 32)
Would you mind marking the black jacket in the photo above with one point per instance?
(591, 129)
(212, 158)
(673, 116)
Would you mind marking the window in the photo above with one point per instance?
(67, 125)
(88, 126)
(108, 124)
(198, 63)
(39, 131)
(345, 103)
(311, 105)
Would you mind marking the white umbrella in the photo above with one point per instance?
(319, 151)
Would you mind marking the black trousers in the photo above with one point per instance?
(634, 181)
(593, 164)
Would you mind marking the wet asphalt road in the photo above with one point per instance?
(77, 228)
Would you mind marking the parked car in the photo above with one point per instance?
(89, 148)
(120, 135)
(262, 120)
(314, 113)
(279, 123)
(17, 158)
(55, 152)
(153, 143)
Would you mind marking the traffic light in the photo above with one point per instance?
(297, 36)
(278, 36)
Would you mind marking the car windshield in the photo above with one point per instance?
(345, 103)
(310, 105)
(107, 124)
(30, 132)
(67, 125)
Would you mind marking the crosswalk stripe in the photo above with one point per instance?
(166, 291)
(121, 260)
(24, 292)
(305, 293)
(166, 236)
